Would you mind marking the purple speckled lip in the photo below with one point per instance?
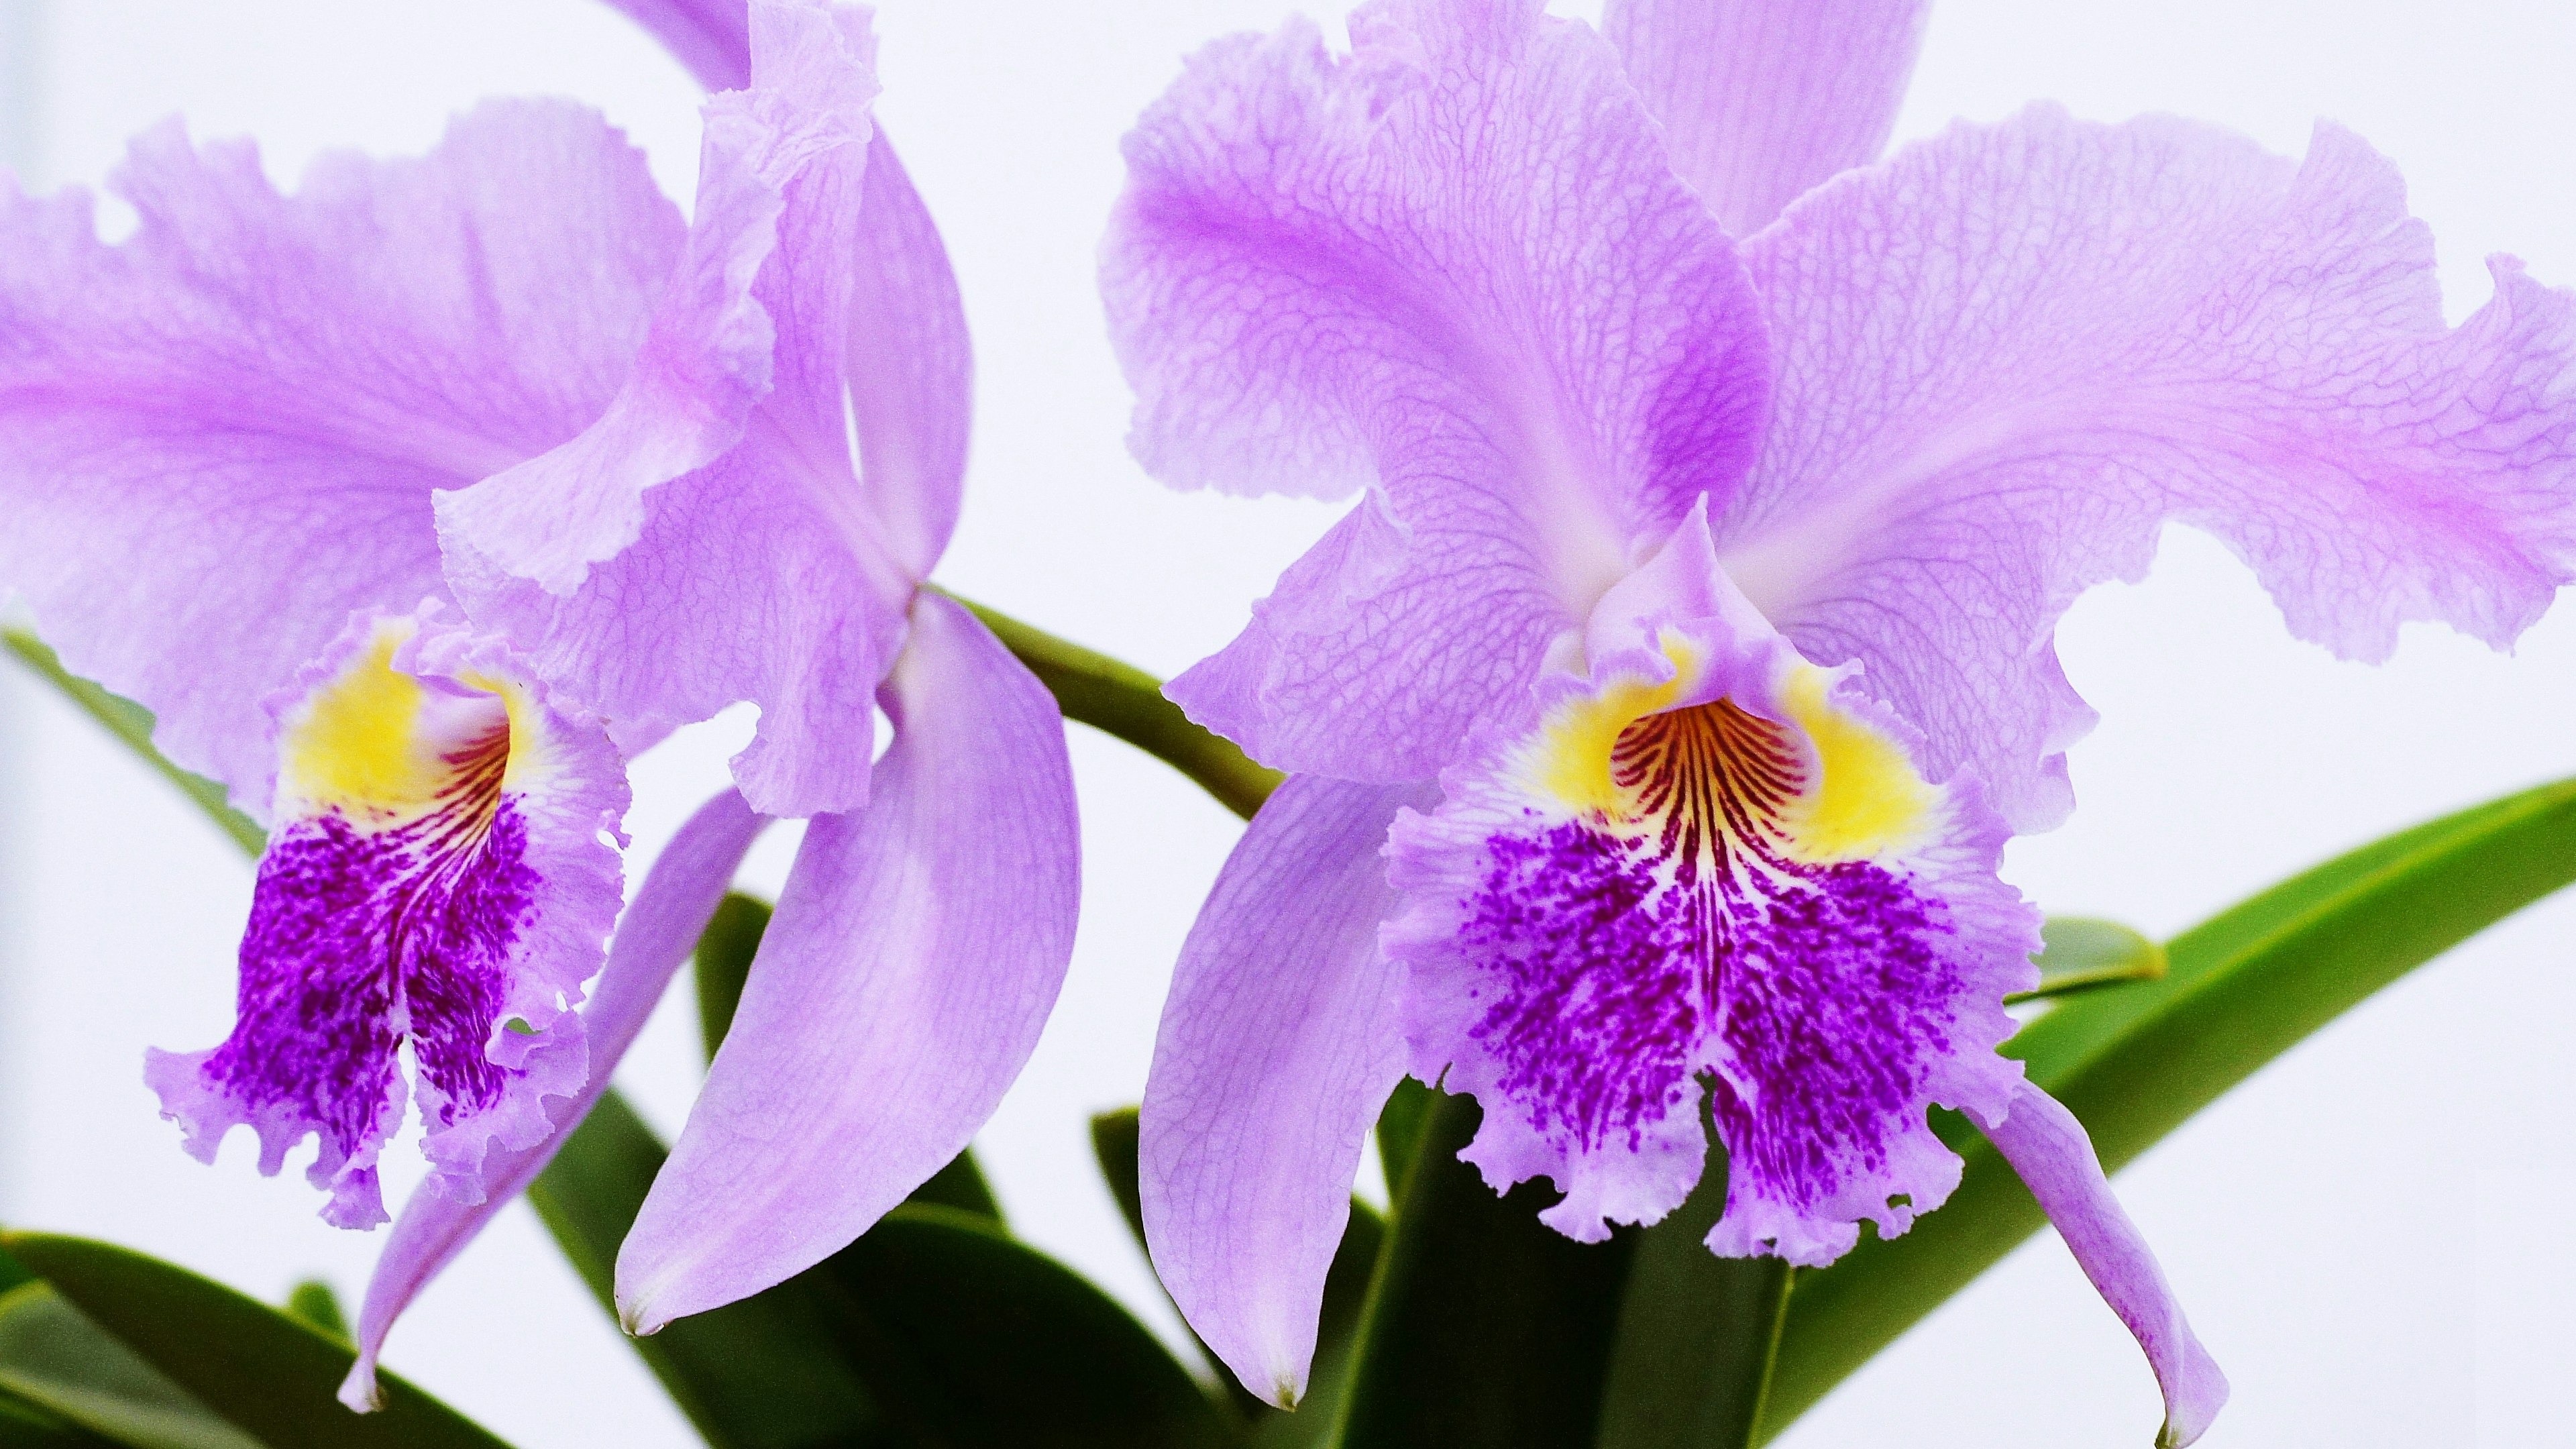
(1627, 957)
(435, 878)
(358, 939)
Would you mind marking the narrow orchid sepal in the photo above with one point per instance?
(671, 908)
(915, 954)
(1279, 1044)
(2055, 1158)
(711, 37)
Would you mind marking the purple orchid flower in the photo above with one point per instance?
(1657, 718)
(414, 502)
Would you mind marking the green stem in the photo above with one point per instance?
(132, 723)
(1125, 701)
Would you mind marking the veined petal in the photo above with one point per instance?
(1762, 100)
(656, 934)
(1711, 866)
(1279, 1045)
(2049, 1148)
(707, 541)
(1454, 269)
(2009, 355)
(711, 37)
(917, 950)
(440, 875)
(219, 438)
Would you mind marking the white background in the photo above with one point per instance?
(2370, 1234)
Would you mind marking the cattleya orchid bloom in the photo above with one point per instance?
(445, 484)
(1656, 719)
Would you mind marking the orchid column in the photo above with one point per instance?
(1657, 716)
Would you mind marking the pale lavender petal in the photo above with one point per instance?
(2011, 354)
(1762, 100)
(765, 574)
(1710, 860)
(1279, 1045)
(711, 37)
(909, 366)
(1453, 269)
(231, 424)
(2049, 1148)
(910, 370)
(916, 952)
(654, 937)
(441, 875)
(753, 309)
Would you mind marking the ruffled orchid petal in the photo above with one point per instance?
(441, 876)
(1762, 100)
(909, 365)
(2011, 354)
(711, 37)
(916, 952)
(662, 595)
(654, 937)
(231, 423)
(2049, 1148)
(1710, 865)
(1279, 1046)
(1395, 271)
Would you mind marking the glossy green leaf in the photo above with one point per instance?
(267, 1373)
(917, 1334)
(1485, 1329)
(26, 1426)
(764, 1373)
(53, 1356)
(2078, 953)
(2134, 1061)
(313, 1301)
(131, 723)
(1698, 1334)
(1399, 1132)
(994, 1343)
(1124, 701)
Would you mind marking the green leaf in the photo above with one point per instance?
(313, 1301)
(914, 1335)
(2133, 1062)
(1399, 1132)
(1698, 1334)
(2078, 953)
(996, 1343)
(1485, 1329)
(25, 1426)
(764, 1373)
(132, 724)
(269, 1374)
(53, 1356)
(1125, 701)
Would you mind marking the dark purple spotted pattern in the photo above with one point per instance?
(358, 939)
(1636, 955)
